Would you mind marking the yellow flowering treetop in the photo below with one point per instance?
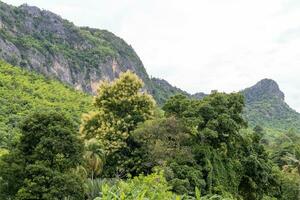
(120, 106)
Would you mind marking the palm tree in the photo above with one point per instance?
(94, 157)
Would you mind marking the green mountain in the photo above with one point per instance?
(22, 92)
(42, 41)
(265, 106)
(79, 56)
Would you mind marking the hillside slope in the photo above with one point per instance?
(22, 92)
(42, 41)
(79, 56)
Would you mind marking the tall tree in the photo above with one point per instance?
(94, 157)
(119, 107)
(41, 166)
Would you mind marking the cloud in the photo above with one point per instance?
(201, 45)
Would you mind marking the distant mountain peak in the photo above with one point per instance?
(265, 106)
(264, 89)
(268, 82)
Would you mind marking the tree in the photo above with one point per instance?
(295, 161)
(259, 178)
(152, 187)
(94, 157)
(119, 107)
(216, 119)
(227, 160)
(41, 166)
(164, 143)
(46, 184)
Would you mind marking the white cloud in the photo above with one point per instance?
(200, 45)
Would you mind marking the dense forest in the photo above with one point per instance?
(80, 119)
(58, 143)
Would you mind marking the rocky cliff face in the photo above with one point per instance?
(264, 89)
(44, 42)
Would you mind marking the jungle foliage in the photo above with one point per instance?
(128, 148)
(22, 92)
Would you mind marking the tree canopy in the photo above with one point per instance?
(41, 165)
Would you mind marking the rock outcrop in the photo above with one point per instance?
(79, 56)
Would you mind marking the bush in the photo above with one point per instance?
(152, 187)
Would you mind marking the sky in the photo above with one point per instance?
(201, 45)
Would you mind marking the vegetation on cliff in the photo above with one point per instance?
(22, 92)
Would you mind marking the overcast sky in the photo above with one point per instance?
(201, 45)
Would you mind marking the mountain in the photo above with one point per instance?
(43, 42)
(265, 106)
(79, 56)
(23, 91)
(263, 90)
